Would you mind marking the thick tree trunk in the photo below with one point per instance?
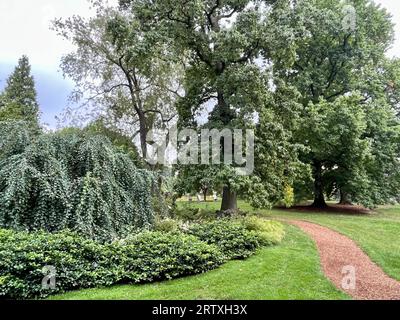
(229, 200)
(319, 199)
(344, 198)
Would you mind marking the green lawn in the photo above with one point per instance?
(288, 271)
(378, 234)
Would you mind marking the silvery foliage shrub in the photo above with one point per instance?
(57, 181)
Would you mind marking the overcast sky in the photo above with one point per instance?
(24, 29)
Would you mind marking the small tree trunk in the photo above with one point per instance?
(205, 194)
(143, 136)
(344, 198)
(229, 200)
(319, 199)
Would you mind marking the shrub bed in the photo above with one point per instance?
(83, 263)
(231, 236)
(145, 257)
(154, 256)
(271, 232)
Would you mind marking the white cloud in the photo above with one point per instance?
(393, 6)
(24, 29)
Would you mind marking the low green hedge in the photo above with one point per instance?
(148, 256)
(83, 263)
(153, 255)
(233, 239)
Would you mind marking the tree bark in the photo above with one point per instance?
(143, 134)
(319, 199)
(229, 200)
(205, 194)
(344, 198)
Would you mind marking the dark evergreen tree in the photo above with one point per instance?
(19, 97)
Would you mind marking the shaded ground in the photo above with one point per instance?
(348, 267)
(332, 208)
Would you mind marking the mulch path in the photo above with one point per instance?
(337, 253)
(332, 208)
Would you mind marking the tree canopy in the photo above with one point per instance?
(345, 81)
(310, 77)
(226, 46)
(121, 73)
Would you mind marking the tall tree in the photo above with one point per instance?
(224, 42)
(340, 53)
(19, 97)
(121, 71)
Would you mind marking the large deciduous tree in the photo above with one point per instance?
(345, 82)
(121, 70)
(227, 44)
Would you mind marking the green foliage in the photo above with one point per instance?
(288, 199)
(15, 136)
(19, 97)
(83, 263)
(271, 232)
(80, 263)
(155, 256)
(199, 178)
(129, 77)
(166, 225)
(291, 271)
(234, 240)
(121, 141)
(342, 135)
(222, 44)
(186, 213)
(63, 181)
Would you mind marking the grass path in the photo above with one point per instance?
(288, 271)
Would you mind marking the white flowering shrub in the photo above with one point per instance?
(70, 181)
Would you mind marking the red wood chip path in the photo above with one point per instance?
(341, 259)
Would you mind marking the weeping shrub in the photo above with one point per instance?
(72, 181)
(15, 136)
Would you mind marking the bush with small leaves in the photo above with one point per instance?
(289, 198)
(166, 225)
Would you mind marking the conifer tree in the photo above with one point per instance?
(19, 97)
